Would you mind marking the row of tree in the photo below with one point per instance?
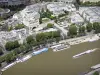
(43, 38)
(95, 26)
(81, 30)
(11, 45)
(88, 3)
(17, 49)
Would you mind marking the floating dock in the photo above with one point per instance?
(40, 51)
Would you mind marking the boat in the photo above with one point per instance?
(86, 52)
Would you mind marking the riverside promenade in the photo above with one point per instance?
(79, 40)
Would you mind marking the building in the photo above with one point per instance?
(90, 14)
(67, 1)
(59, 8)
(90, 0)
(29, 17)
(13, 2)
(77, 19)
(12, 36)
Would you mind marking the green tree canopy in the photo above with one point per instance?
(0, 64)
(47, 36)
(82, 30)
(11, 45)
(89, 27)
(30, 40)
(1, 51)
(73, 30)
(10, 57)
(96, 27)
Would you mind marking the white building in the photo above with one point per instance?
(59, 8)
(77, 19)
(29, 17)
(91, 14)
(12, 2)
(66, 1)
(12, 36)
(90, 0)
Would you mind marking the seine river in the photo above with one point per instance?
(59, 63)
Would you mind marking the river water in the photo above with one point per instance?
(59, 63)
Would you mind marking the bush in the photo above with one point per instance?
(50, 25)
(19, 26)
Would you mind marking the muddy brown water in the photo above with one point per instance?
(59, 63)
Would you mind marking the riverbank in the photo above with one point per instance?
(59, 63)
(73, 41)
(65, 44)
(23, 59)
(88, 38)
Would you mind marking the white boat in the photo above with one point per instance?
(86, 52)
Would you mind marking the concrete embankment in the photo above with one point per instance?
(83, 39)
(91, 73)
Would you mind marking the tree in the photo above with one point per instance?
(0, 65)
(89, 27)
(50, 25)
(55, 34)
(40, 38)
(40, 20)
(30, 39)
(72, 30)
(10, 57)
(96, 27)
(47, 37)
(78, 2)
(16, 44)
(1, 52)
(96, 73)
(11, 45)
(82, 30)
